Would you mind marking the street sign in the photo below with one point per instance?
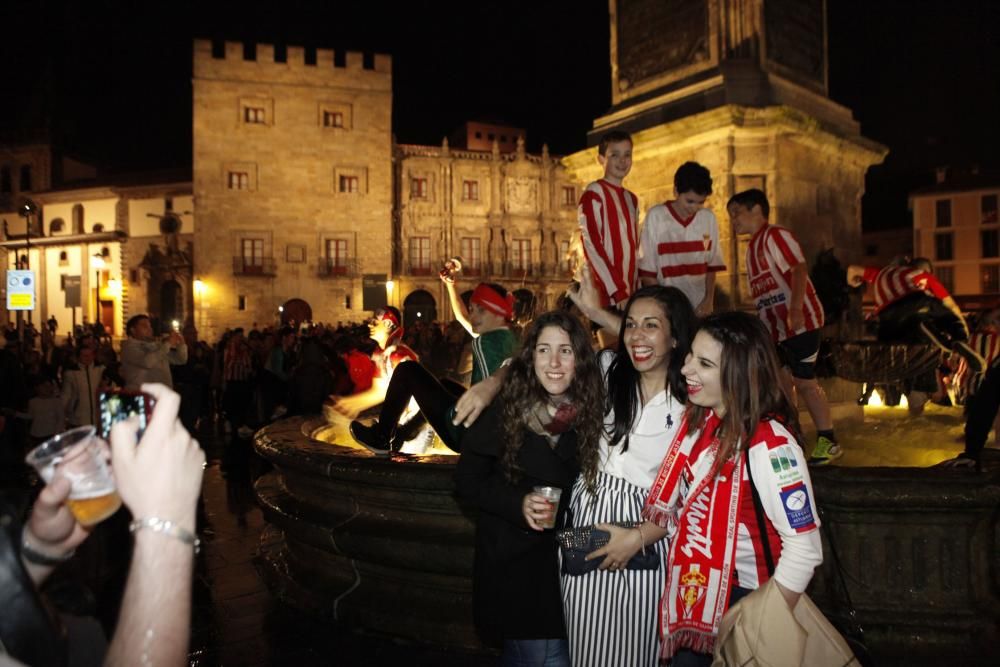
(71, 285)
(20, 290)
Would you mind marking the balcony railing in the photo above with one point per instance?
(254, 266)
(333, 267)
(419, 269)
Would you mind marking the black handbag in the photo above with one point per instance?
(576, 543)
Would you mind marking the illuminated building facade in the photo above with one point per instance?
(510, 217)
(292, 183)
(955, 225)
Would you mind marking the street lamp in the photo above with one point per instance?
(388, 291)
(99, 264)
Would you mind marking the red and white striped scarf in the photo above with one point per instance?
(701, 560)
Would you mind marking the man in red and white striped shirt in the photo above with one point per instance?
(787, 303)
(913, 306)
(679, 246)
(608, 216)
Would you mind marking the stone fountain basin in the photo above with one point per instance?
(384, 546)
(374, 543)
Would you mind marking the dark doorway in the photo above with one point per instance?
(419, 306)
(171, 303)
(295, 312)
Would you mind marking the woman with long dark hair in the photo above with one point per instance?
(739, 436)
(611, 613)
(543, 430)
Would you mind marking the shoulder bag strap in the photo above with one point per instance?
(758, 510)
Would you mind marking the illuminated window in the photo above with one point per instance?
(333, 119)
(238, 180)
(988, 206)
(564, 256)
(470, 190)
(990, 279)
(943, 247)
(520, 255)
(254, 115)
(418, 188)
(942, 213)
(568, 195)
(336, 256)
(420, 254)
(470, 250)
(990, 240)
(252, 252)
(348, 184)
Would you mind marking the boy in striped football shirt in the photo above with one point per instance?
(609, 230)
(679, 246)
(787, 303)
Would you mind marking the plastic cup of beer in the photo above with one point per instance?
(76, 455)
(552, 495)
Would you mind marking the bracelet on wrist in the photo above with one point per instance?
(166, 527)
(33, 555)
(642, 539)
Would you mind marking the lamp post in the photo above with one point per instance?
(98, 265)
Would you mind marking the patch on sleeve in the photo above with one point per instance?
(798, 509)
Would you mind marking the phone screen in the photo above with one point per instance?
(117, 406)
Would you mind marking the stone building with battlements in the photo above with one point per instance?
(292, 183)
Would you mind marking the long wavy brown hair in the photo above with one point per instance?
(751, 383)
(522, 392)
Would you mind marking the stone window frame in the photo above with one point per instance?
(989, 278)
(349, 239)
(231, 180)
(256, 111)
(470, 189)
(473, 261)
(334, 107)
(569, 198)
(342, 176)
(943, 213)
(419, 187)
(416, 262)
(522, 263)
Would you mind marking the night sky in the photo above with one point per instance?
(114, 77)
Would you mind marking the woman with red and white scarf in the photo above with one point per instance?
(737, 416)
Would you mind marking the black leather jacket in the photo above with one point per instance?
(29, 630)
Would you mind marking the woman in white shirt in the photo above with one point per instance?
(611, 613)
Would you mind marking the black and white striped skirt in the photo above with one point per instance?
(612, 617)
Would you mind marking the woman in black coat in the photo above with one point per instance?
(543, 430)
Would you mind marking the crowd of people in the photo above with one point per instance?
(679, 439)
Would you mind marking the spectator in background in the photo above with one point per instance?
(81, 385)
(46, 411)
(145, 359)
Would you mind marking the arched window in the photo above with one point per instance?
(98, 228)
(57, 226)
(78, 219)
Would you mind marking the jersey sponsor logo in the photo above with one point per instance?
(784, 464)
(763, 284)
(798, 509)
(769, 301)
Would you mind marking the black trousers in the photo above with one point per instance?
(435, 398)
(981, 409)
(900, 322)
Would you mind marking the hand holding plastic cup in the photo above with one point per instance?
(552, 495)
(77, 456)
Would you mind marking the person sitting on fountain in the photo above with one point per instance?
(911, 305)
(386, 329)
(490, 309)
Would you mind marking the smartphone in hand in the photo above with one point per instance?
(120, 404)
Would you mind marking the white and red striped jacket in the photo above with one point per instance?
(609, 230)
(680, 252)
(771, 254)
(894, 282)
(987, 344)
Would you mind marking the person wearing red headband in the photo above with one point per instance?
(490, 309)
(386, 329)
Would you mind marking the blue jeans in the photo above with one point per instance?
(535, 653)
